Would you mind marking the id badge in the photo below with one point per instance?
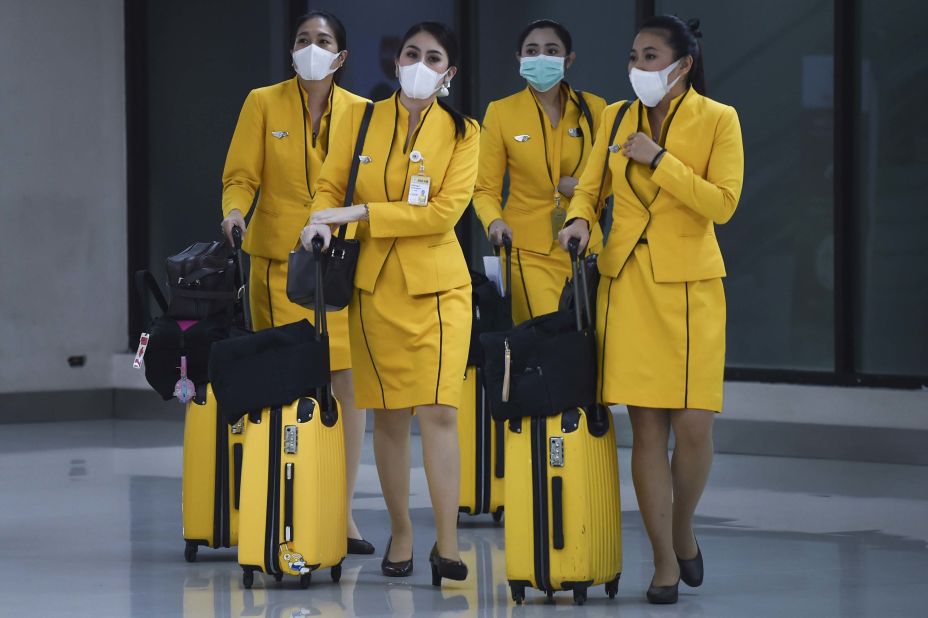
(558, 218)
(419, 190)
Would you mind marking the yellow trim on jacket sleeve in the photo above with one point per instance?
(715, 196)
(488, 193)
(585, 203)
(244, 165)
(399, 219)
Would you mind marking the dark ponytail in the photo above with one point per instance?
(684, 39)
(447, 40)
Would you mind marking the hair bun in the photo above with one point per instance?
(693, 26)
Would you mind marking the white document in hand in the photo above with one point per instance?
(493, 272)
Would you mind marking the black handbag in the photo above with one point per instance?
(169, 341)
(490, 312)
(543, 366)
(201, 280)
(273, 367)
(339, 261)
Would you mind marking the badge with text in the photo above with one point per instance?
(419, 190)
(558, 218)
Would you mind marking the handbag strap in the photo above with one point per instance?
(145, 284)
(585, 110)
(355, 163)
(615, 130)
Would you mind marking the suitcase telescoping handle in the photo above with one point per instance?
(507, 245)
(578, 277)
(242, 277)
(324, 393)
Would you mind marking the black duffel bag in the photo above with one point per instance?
(170, 341)
(201, 280)
(272, 367)
(543, 366)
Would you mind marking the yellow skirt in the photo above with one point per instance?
(267, 298)
(537, 280)
(408, 351)
(661, 345)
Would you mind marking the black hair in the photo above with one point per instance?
(448, 41)
(558, 28)
(341, 36)
(683, 39)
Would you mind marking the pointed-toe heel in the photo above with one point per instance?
(359, 547)
(395, 569)
(663, 595)
(444, 568)
(692, 571)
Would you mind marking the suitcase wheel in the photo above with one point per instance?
(612, 588)
(305, 580)
(579, 596)
(190, 552)
(248, 579)
(518, 593)
(278, 577)
(550, 595)
(498, 515)
(336, 573)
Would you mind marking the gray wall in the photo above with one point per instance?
(62, 192)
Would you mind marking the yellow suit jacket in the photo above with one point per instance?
(267, 153)
(424, 237)
(699, 181)
(517, 136)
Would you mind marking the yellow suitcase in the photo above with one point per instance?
(294, 506)
(212, 476)
(481, 440)
(563, 520)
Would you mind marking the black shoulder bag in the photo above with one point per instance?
(339, 261)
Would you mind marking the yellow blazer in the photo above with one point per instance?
(535, 163)
(699, 181)
(267, 153)
(424, 237)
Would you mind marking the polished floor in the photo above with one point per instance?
(90, 526)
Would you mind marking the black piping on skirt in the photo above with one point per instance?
(441, 344)
(369, 352)
(528, 302)
(686, 370)
(602, 369)
(270, 304)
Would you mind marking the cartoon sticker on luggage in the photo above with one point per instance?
(293, 561)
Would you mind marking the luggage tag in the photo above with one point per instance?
(184, 390)
(140, 353)
(558, 216)
(419, 184)
(294, 562)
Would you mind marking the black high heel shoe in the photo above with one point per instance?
(663, 595)
(442, 567)
(691, 571)
(359, 547)
(395, 569)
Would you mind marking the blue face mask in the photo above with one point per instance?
(542, 72)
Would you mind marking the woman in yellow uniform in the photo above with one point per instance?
(279, 144)
(410, 313)
(661, 307)
(542, 136)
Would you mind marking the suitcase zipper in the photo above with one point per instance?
(482, 504)
(539, 453)
(272, 524)
(221, 532)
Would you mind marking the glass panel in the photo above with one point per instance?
(778, 248)
(892, 180)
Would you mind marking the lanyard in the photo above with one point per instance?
(415, 140)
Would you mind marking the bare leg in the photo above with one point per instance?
(442, 469)
(354, 422)
(391, 451)
(692, 459)
(651, 475)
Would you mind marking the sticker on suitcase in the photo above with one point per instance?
(292, 562)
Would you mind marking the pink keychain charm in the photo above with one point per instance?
(184, 390)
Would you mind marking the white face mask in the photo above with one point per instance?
(314, 63)
(418, 81)
(651, 86)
